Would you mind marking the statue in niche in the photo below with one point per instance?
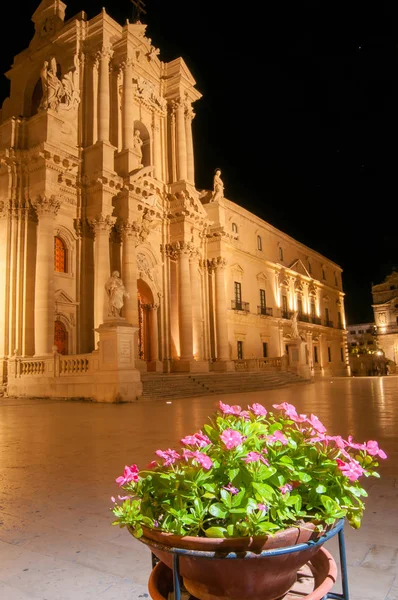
(218, 186)
(116, 292)
(137, 145)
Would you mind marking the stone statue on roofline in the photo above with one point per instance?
(218, 186)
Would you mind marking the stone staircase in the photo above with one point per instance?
(186, 385)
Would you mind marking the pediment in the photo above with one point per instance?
(237, 268)
(299, 267)
(326, 298)
(261, 276)
(61, 297)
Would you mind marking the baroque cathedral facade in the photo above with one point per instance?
(96, 177)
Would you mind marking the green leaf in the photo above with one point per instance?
(226, 498)
(211, 432)
(218, 510)
(267, 526)
(304, 477)
(216, 532)
(232, 473)
(320, 489)
(265, 491)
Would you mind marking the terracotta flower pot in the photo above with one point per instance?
(217, 578)
(322, 566)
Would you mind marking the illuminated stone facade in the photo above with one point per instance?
(385, 308)
(96, 175)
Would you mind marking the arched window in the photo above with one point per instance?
(259, 243)
(234, 228)
(60, 255)
(60, 337)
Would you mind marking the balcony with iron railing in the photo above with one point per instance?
(241, 306)
(265, 311)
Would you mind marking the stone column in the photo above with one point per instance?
(196, 307)
(4, 214)
(157, 155)
(184, 303)
(129, 231)
(102, 226)
(127, 105)
(104, 56)
(154, 332)
(46, 209)
(181, 142)
(219, 265)
(190, 156)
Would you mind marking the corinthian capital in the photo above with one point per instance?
(130, 229)
(105, 52)
(46, 206)
(217, 263)
(102, 223)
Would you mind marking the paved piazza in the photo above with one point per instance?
(59, 460)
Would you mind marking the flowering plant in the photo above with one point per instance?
(249, 473)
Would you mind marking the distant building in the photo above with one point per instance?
(385, 308)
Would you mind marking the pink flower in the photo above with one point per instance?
(197, 439)
(113, 499)
(130, 474)
(231, 438)
(169, 456)
(226, 409)
(262, 506)
(254, 457)
(298, 418)
(230, 488)
(204, 460)
(354, 445)
(152, 465)
(352, 470)
(277, 436)
(258, 410)
(316, 424)
(372, 448)
(286, 488)
(124, 497)
(289, 409)
(245, 415)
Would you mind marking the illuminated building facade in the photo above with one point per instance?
(97, 175)
(385, 308)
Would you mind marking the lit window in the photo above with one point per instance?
(59, 255)
(234, 228)
(259, 243)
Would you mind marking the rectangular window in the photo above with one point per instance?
(240, 350)
(262, 299)
(323, 274)
(315, 354)
(329, 354)
(342, 354)
(309, 268)
(238, 295)
(312, 308)
(284, 306)
(280, 253)
(259, 243)
(300, 305)
(327, 315)
(265, 349)
(340, 324)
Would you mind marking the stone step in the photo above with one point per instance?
(185, 385)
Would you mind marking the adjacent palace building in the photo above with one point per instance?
(97, 176)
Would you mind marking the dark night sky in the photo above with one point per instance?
(299, 110)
